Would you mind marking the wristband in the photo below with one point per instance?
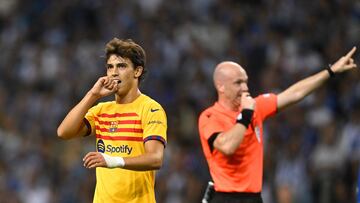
(331, 72)
(245, 117)
(113, 162)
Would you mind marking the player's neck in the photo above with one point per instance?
(127, 98)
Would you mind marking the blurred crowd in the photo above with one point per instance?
(52, 54)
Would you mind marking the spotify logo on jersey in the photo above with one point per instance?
(100, 146)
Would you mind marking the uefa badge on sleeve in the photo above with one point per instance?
(257, 133)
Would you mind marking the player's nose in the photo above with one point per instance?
(115, 72)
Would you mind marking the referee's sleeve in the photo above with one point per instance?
(266, 105)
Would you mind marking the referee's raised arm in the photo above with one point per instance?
(304, 87)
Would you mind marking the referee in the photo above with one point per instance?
(231, 131)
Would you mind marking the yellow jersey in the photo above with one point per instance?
(121, 130)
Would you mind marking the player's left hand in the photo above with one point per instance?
(93, 160)
(344, 63)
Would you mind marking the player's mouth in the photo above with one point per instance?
(117, 81)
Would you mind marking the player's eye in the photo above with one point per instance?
(121, 65)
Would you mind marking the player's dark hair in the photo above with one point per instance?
(127, 49)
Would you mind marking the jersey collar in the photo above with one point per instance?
(220, 108)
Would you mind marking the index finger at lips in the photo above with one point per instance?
(107, 81)
(102, 80)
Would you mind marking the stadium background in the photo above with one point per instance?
(51, 54)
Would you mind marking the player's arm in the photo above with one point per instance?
(301, 89)
(227, 142)
(152, 159)
(73, 124)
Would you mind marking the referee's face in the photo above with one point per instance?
(236, 85)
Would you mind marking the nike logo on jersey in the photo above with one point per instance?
(153, 110)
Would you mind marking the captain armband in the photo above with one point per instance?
(113, 162)
(245, 117)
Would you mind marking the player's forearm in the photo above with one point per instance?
(73, 123)
(228, 142)
(145, 162)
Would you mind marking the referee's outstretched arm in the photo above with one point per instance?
(304, 87)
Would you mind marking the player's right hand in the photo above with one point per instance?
(247, 102)
(104, 86)
(93, 160)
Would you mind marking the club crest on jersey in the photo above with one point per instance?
(257, 133)
(100, 146)
(113, 126)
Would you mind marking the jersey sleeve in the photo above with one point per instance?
(266, 104)
(209, 125)
(154, 123)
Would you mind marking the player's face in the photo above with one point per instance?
(121, 70)
(236, 85)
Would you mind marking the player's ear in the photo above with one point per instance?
(138, 71)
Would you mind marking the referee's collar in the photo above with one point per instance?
(221, 108)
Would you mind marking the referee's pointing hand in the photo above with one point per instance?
(344, 63)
